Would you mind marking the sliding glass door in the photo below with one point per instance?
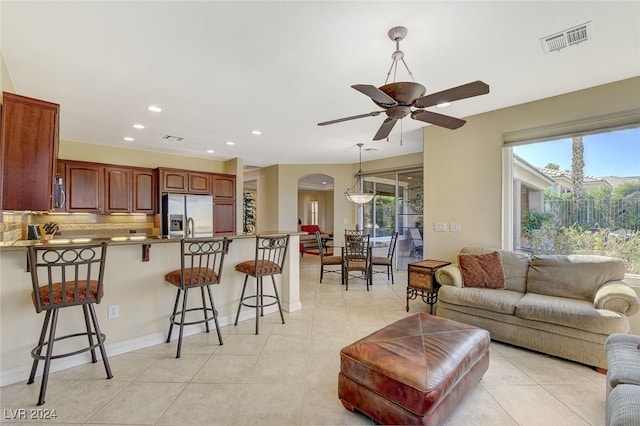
(397, 206)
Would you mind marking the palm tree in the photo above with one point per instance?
(577, 166)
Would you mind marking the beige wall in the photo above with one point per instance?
(463, 168)
(6, 83)
(70, 150)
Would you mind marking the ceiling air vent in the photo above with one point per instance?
(566, 38)
(172, 138)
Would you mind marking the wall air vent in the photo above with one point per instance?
(569, 37)
(172, 138)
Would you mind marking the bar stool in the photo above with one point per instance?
(271, 251)
(201, 261)
(61, 277)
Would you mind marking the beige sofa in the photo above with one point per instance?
(564, 306)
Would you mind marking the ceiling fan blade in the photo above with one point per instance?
(376, 94)
(437, 119)
(385, 129)
(468, 90)
(353, 117)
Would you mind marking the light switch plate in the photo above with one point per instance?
(440, 227)
(454, 227)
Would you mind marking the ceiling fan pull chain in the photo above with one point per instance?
(401, 129)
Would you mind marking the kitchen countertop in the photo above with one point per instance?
(118, 240)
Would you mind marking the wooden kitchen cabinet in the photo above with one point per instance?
(107, 188)
(29, 149)
(224, 186)
(199, 183)
(184, 181)
(84, 187)
(144, 191)
(224, 217)
(118, 189)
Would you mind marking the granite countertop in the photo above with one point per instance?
(118, 240)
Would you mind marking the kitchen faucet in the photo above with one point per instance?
(191, 228)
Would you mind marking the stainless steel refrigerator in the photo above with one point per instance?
(186, 215)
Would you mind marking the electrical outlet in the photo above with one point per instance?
(440, 227)
(114, 311)
(454, 227)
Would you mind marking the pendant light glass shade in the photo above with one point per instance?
(356, 193)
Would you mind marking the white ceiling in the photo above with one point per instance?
(222, 69)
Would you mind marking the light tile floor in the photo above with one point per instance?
(287, 375)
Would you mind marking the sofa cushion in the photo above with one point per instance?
(503, 301)
(573, 313)
(515, 265)
(481, 270)
(623, 354)
(573, 276)
(623, 406)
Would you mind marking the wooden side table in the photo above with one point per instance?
(422, 281)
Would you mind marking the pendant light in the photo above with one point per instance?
(356, 193)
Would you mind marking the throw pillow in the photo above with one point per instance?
(482, 270)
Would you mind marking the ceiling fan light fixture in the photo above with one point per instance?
(356, 194)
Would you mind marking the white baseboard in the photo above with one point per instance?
(21, 373)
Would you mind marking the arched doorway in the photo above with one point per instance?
(315, 201)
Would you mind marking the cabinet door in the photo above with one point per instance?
(144, 198)
(224, 186)
(29, 142)
(224, 217)
(200, 183)
(84, 187)
(174, 180)
(118, 190)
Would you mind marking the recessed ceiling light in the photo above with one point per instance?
(154, 108)
(230, 143)
(210, 151)
(138, 126)
(443, 105)
(128, 139)
(256, 132)
(324, 182)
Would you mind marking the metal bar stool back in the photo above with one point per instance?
(270, 254)
(64, 276)
(201, 261)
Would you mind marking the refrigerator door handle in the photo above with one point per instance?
(191, 227)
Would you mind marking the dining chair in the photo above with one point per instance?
(331, 261)
(387, 261)
(416, 242)
(357, 257)
(201, 261)
(62, 277)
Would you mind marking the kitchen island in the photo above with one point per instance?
(133, 282)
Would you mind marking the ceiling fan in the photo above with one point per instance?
(406, 98)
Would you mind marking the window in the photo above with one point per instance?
(578, 194)
(313, 212)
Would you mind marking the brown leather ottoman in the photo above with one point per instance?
(414, 371)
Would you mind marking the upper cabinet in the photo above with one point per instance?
(224, 186)
(144, 191)
(184, 181)
(29, 142)
(105, 188)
